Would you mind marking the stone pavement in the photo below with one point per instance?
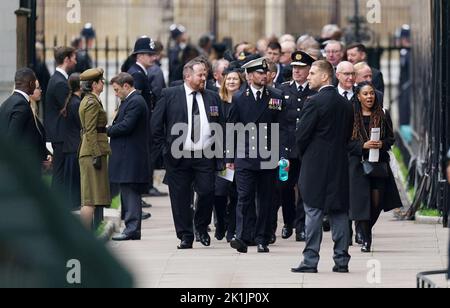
(401, 249)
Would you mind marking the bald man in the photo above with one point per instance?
(345, 74)
(363, 72)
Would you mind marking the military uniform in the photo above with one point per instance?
(253, 179)
(95, 189)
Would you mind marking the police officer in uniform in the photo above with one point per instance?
(295, 93)
(258, 107)
(84, 60)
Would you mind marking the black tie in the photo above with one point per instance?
(300, 90)
(196, 123)
(346, 95)
(258, 96)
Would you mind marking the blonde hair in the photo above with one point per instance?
(224, 94)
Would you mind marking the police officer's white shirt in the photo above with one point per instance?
(143, 67)
(255, 91)
(206, 139)
(349, 92)
(301, 85)
(27, 97)
(63, 72)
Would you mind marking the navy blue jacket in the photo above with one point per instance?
(245, 110)
(128, 163)
(142, 84)
(73, 126)
(290, 117)
(55, 99)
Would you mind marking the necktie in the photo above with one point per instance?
(300, 90)
(346, 95)
(196, 124)
(258, 96)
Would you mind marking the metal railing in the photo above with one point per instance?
(424, 282)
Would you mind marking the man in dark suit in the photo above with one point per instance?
(128, 164)
(182, 129)
(322, 138)
(357, 53)
(256, 108)
(17, 120)
(273, 53)
(56, 96)
(295, 93)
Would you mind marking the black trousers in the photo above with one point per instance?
(58, 167)
(285, 197)
(260, 185)
(198, 175)
(131, 209)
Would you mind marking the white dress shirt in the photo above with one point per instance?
(302, 85)
(206, 139)
(143, 67)
(27, 97)
(349, 93)
(63, 72)
(255, 91)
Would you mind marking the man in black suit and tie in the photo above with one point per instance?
(182, 128)
(322, 138)
(55, 100)
(256, 109)
(17, 121)
(128, 164)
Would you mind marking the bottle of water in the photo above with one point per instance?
(284, 173)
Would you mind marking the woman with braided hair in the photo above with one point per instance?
(370, 195)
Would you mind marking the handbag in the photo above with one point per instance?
(375, 170)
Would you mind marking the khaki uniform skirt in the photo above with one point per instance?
(95, 190)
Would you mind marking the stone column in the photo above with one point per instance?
(8, 49)
(275, 17)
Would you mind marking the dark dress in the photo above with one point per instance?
(361, 185)
(70, 149)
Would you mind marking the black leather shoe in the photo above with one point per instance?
(340, 269)
(185, 245)
(239, 245)
(219, 235)
(124, 237)
(304, 269)
(359, 239)
(205, 239)
(273, 239)
(263, 249)
(301, 237)
(326, 225)
(156, 193)
(366, 248)
(146, 205)
(146, 216)
(287, 232)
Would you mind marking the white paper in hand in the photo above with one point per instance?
(374, 155)
(227, 174)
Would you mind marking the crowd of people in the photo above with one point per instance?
(317, 104)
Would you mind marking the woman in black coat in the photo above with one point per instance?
(370, 196)
(72, 142)
(226, 192)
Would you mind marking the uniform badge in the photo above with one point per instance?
(275, 104)
(214, 111)
(247, 93)
(298, 57)
(286, 97)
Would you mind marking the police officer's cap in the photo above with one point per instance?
(258, 65)
(176, 31)
(92, 74)
(301, 58)
(88, 31)
(145, 45)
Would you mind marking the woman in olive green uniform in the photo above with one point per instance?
(94, 149)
